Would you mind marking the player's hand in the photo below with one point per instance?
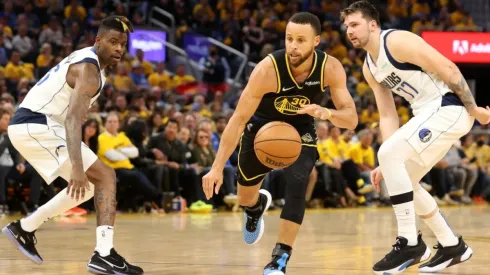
(21, 168)
(315, 110)
(481, 114)
(376, 178)
(78, 183)
(212, 180)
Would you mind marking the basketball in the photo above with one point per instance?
(277, 144)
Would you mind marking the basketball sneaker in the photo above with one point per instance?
(112, 264)
(254, 221)
(280, 258)
(402, 256)
(23, 240)
(447, 256)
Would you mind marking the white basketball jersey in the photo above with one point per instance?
(51, 94)
(424, 90)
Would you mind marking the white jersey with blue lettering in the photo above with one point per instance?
(423, 90)
(440, 118)
(51, 94)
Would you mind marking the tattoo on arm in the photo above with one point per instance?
(463, 91)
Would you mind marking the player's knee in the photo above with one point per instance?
(386, 153)
(294, 209)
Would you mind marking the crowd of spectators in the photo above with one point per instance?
(161, 140)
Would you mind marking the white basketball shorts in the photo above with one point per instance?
(432, 133)
(44, 146)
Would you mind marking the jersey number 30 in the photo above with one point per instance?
(407, 88)
(47, 75)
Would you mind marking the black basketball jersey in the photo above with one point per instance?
(283, 104)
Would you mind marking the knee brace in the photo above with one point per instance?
(297, 176)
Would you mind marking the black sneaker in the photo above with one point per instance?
(112, 264)
(447, 256)
(254, 223)
(277, 266)
(23, 240)
(402, 256)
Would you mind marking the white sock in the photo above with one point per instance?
(61, 203)
(441, 229)
(105, 240)
(405, 215)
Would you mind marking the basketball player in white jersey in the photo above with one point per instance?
(444, 110)
(46, 130)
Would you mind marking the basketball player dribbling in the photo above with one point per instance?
(46, 130)
(294, 78)
(444, 110)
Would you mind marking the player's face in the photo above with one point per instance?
(111, 46)
(301, 41)
(359, 29)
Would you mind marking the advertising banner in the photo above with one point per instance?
(150, 41)
(461, 47)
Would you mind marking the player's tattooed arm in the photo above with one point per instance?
(459, 86)
(84, 78)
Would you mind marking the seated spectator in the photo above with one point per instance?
(180, 77)
(45, 58)
(151, 162)
(362, 154)
(23, 44)
(204, 155)
(369, 115)
(463, 177)
(332, 152)
(15, 70)
(52, 34)
(155, 123)
(181, 174)
(75, 11)
(159, 76)
(122, 81)
(90, 134)
(116, 150)
(147, 66)
(138, 75)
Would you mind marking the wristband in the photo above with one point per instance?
(329, 113)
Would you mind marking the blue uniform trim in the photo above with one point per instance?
(451, 99)
(24, 115)
(396, 64)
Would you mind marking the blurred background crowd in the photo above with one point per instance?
(175, 118)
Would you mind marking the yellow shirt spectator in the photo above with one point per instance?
(17, 72)
(363, 88)
(109, 142)
(82, 13)
(361, 155)
(156, 78)
(420, 8)
(200, 9)
(123, 82)
(178, 80)
(482, 155)
(43, 60)
(369, 116)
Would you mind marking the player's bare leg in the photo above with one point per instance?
(105, 259)
(256, 201)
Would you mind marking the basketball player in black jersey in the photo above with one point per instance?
(285, 86)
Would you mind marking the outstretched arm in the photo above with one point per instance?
(408, 47)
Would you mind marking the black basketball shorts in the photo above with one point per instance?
(250, 170)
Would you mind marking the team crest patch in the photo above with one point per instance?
(425, 135)
(307, 138)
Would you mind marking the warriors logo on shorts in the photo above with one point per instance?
(425, 135)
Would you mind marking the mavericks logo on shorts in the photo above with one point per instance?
(425, 135)
(290, 105)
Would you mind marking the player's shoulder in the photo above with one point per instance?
(395, 37)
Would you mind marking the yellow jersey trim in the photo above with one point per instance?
(277, 75)
(323, 73)
(291, 75)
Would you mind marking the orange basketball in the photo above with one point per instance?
(277, 144)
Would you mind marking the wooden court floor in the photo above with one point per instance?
(330, 242)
